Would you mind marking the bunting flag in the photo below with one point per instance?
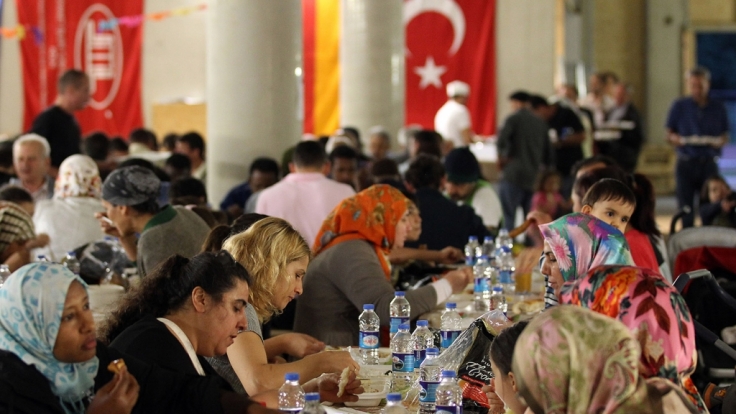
(449, 40)
(69, 37)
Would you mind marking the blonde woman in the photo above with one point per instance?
(276, 257)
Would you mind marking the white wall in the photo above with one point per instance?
(173, 61)
(525, 49)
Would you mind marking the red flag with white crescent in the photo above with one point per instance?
(449, 40)
(67, 36)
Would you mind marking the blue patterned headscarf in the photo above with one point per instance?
(31, 305)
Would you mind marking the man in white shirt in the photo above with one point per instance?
(32, 161)
(453, 119)
(306, 196)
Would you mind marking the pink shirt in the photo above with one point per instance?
(304, 200)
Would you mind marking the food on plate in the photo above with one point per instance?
(528, 306)
(116, 366)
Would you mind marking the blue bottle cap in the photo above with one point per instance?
(422, 322)
(292, 376)
(404, 326)
(71, 253)
(483, 257)
(498, 289)
(450, 305)
(433, 351)
(448, 374)
(473, 238)
(505, 249)
(394, 397)
(368, 306)
(311, 396)
(488, 239)
(400, 293)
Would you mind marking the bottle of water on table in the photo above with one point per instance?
(498, 300)
(399, 311)
(488, 247)
(402, 356)
(481, 285)
(504, 239)
(423, 339)
(429, 378)
(450, 325)
(4, 273)
(393, 404)
(506, 268)
(291, 394)
(449, 396)
(71, 262)
(312, 405)
(470, 250)
(369, 339)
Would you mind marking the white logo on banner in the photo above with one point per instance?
(100, 55)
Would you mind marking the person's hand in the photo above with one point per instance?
(259, 409)
(117, 396)
(329, 385)
(107, 226)
(540, 217)
(41, 240)
(728, 205)
(459, 278)
(675, 139)
(333, 361)
(300, 345)
(450, 255)
(497, 406)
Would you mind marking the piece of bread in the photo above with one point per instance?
(116, 365)
(344, 378)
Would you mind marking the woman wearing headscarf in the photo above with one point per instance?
(52, 363)
(655, 313)
(573, 360)
(576, 243)
(69, 217)
(351, 268)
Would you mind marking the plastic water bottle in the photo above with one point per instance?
(291, 394)
(312, 405)
(429, 378)
(470, 250)
(369, 339)
(450, 325)
(449, 396)
(488, 247)
(423, 339)
(399, 311)
(504, 239)
(42, 259)
(71, 263)
(402, 356)
(481, 286)
(393, 404)
(506, 269)
(4, 273)
(498, 300)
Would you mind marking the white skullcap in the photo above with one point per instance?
(457, 88)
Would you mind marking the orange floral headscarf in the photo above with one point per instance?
(370, 215)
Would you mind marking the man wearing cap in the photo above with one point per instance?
(465, 186)
(130, 196)
(453, 119)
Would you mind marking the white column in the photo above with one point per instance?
(253, 58)
(372, 65)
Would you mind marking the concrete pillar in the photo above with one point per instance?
(372, 65)
(253, 59)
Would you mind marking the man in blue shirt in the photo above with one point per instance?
(264, 172)
(697, 127)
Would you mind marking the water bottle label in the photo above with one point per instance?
(451, 409)
(419, 355)
(469, 260)
(448, 337)
(395, 322)
(403, 362)
(428, 392)
(368, 340)
(481, 285)
(504, 276)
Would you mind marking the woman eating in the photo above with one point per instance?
(573, 360)
(351, 268)
(502, 391)
(653, 310)
(276, 257)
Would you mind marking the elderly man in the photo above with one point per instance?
(130, 198)
(697, 127)
(453, 119)
(32, 161)
(465, 186)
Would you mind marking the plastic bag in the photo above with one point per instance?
(469, 356)
(96, 257)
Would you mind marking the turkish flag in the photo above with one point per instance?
(65, 35)
(449, 40)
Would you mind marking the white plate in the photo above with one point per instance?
(379, 387)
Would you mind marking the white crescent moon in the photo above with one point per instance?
(447, 8)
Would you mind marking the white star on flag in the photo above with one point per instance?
(430, 73)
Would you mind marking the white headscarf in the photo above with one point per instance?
(78, 177)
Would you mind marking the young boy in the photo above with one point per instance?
(610, 201)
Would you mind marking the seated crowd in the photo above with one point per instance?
(308, 249)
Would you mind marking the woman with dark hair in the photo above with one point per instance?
(503, 390)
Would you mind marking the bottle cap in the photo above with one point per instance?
(505, 249)
(368, 306)
(400, 293)
(473, 238)
(433, 351)
(422, 322)
(448, 374)
(393, 397)
(450, 305)
(71, 253)
(404, 326)
(311, 396)
(497, 289)
(292, 376)
(483, 257)
(503, 232)
(488, 239)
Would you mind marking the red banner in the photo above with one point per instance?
(69, 38)
(449, 40)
